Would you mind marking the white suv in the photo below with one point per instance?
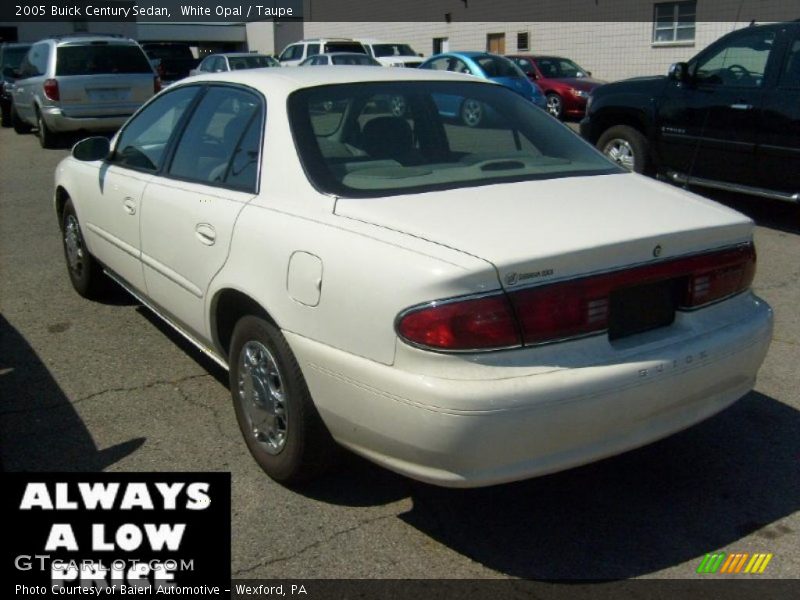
(296, 53)
(392, 54)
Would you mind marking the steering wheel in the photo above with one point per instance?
(738, 72)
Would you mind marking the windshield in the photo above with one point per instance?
(353, 59)
(12, 57)
(382, 50)
(378, 139)
(101, 59)
(251, 62)
(345, 47)
(497, 66)
(555, 68)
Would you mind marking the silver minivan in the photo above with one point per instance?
(81, 83)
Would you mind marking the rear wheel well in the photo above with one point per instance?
(229, 306)
(610, 119)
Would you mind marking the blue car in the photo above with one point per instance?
(486, 66)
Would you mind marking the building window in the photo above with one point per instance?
(674, 22)
(440, 45)
(523, 41)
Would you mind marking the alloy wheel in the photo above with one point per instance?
(262, 396)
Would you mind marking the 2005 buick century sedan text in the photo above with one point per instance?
(466, 306)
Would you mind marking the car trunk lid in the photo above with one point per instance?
(543, 231)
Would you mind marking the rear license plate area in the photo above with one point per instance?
(641, 308)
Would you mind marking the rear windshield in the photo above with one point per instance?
(344, 47)
(497, 66)
(12, 57)
(378, 139)
(168, 51)
(250, 62)
(382, 50)
(559, 67)
(101, 59)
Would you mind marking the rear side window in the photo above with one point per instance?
(35, 62)
(142, 143)
(221, 142)
(497, 66)
(101, 59)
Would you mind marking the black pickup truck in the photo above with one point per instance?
(727, 119)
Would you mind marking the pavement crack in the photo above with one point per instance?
(313, 545)
(92, 396)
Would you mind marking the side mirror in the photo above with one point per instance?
(678, 72)
(91, 149)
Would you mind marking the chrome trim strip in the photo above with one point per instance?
(188, 337)
(733, 187)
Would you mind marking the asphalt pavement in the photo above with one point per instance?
(88, 386)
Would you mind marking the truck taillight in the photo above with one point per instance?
(51, 89)
(571, 309)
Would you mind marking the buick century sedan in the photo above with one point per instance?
(465, 306)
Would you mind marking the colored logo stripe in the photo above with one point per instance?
(734, 563)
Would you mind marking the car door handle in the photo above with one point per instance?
(206, 234)
(129, 205)
(742, 106)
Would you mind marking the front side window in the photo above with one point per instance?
(674, 21)
(354, 139)
(790, 78)
(381, 50)
(739, 61)
(211, 149)
(144, 139)
(294, 52)
(313, 50)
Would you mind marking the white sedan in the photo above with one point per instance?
(466, 306)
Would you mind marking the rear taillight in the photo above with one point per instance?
(156, 84)
(570, 309)
(51, 89)
(457, 325)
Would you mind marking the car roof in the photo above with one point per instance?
(240, 54)
(285, 81)
(342, 54)
(92, 39)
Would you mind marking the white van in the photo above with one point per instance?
(392, 54)
(297, 52)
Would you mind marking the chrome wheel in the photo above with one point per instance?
(398, 106)
(621, 152)
(262, 397)
(73, 243)
(554, 105)
(471, 112)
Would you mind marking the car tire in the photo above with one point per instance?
(5, 115)
(555, 105)
(84, 271)
(274, 409)
(627, 147)
(17, 123)
(47, 138)
(471, 112)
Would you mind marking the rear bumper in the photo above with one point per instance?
(477, 432)
(57, 121)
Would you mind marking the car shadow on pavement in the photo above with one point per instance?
(627, 516)
(40, 430)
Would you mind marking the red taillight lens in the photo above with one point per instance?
(559, 311)
(51, 89)
(156, 84)
(475, 324)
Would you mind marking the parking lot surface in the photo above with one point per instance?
(105, 386)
